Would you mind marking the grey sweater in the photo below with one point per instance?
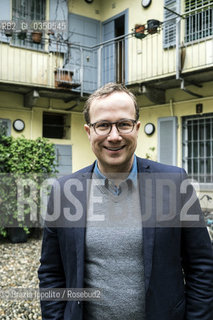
(114, 255)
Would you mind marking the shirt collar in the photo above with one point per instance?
(132, 175)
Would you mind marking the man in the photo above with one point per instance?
(136, 234)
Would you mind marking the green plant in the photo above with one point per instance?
(22, 160)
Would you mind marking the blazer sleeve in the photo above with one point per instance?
(197, 262)
(51, 275)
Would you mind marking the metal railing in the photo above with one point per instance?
(125, 59)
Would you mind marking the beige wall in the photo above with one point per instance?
(178, 109)
(11, 107)
(103, 10)
(18, 65)
(80, 7)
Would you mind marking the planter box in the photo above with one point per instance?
(36, 36)
(140, 31)
(17, 235)
(63, 78)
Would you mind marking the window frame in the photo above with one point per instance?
(201, 178)
(8, 125)
(27, 43)
(199, 22)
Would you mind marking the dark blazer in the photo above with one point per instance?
(178, 257)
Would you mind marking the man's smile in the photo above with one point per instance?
(114, 148)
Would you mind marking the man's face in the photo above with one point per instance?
(114, 151)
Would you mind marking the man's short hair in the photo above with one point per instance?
(105, 91)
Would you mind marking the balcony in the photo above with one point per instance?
(34, 66)
(127, 59)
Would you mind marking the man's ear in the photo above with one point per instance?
(138, 124)
(87, 129)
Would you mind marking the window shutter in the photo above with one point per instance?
(63, 158)
(169, 28)
(4, 16)
(59, 13)
(167, 140)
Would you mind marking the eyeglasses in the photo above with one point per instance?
(104, 127)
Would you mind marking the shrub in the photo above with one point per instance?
(22, 159)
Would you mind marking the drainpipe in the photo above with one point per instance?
(178, 61)
(82, 71)
(99, 65)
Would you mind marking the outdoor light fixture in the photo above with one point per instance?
(146, 3)
(18, 125)
(89, 1)
(149, 129)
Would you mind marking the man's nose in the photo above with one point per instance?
(114, 134)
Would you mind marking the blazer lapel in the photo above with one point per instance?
(148, 205)
(80, 231)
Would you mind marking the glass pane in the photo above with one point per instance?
(189, 133)
(195, 165)
(4, 127)
(201, 130)
(208, 170)
(195, 131)
(201, 149)
(189, 167)
(208, 166)
(202, 166)
(208, 149)
(189, 150)
(208, 129)
(195, 149)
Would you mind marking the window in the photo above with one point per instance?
(198, 147)
(27, 11)
(199, 22)
(56, 125)
(5, 127)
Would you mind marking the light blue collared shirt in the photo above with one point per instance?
(110, 185)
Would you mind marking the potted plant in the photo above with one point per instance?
(36, 36)
(140, 31)
(152, 26)
(63, 78)
(22, 35)
(8, 32)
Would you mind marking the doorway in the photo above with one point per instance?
(120, 49)
(114, 60)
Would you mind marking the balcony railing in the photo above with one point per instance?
(125, 59)
(34, 65)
